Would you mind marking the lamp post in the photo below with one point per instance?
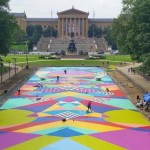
(1, 70)
(15, 64)
(9, 68)
(27, 66)
(26, 51)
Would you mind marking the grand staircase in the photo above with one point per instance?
(82, 44)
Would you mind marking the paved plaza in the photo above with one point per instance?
(32, 118)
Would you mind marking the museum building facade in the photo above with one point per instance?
(68, 21)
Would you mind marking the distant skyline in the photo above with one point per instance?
(44, 8)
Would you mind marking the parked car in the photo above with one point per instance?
(115, 52)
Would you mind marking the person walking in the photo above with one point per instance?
(18, 91)
(57, 78)
(65, 71)
(89, 106)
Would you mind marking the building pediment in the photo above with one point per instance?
(72, 11)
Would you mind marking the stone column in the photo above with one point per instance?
(70, 25)
(83, 34)
(59, 31)
(87, 26)
(75, 26)
(66, 27)
(79, 26)
(62, 26)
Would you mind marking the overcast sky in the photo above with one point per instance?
(43, 8)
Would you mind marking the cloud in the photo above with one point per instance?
(43, 8)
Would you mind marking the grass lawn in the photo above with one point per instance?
(35, 61)
(19, 47)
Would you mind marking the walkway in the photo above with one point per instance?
(12, 72)
(135, 78)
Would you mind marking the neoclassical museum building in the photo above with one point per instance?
(68, 21)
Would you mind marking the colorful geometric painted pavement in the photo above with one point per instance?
(32, 119)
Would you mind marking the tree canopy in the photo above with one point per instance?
(132, 28)
(94, 31)
(50, 31)
(7, 27)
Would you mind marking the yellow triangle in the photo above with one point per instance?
(52, 108)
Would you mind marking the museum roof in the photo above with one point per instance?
(100, 19)
(42, 19)
(19, 14)
(72, 11)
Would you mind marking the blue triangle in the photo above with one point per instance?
(66, 144)
(66, 133)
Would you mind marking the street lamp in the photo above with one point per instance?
(1, 70)
(27, 66)
(15, 64)
(26, 51)
(9, 68)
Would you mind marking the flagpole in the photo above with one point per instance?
(93, 22)
(51, 20)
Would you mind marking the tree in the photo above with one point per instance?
(120, 31)
(94, 31)
(7, 26)
(139, 33)
(4, 4)
(110, 38)
(30, 30)
(50, 31)
(34, 33)
(39, 29)
(132, 29)
(18, 36)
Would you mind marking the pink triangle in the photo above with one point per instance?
(33, 115)
(60, 108)
(69, 99)
(104, 116)
(76, 108)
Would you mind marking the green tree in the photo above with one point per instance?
(39, 29)
(138, 36)
(30, 30)
(132, 28)
(120, 31)
(50, 31)
(94, 31)
(110, 38)
(4, 4)
(7, 27)
(34, 33)
(18, 36)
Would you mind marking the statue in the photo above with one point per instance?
(72, 47)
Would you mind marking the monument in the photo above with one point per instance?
(72, 45)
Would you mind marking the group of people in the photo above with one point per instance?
(57, 78)
(141, 103)
(39, 85)
(131, 70)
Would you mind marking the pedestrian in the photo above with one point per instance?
(129, 69)
(18, 91)
(138, 98)
(107, 90)
(89, 106)
(65, 71)
(57, 78)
